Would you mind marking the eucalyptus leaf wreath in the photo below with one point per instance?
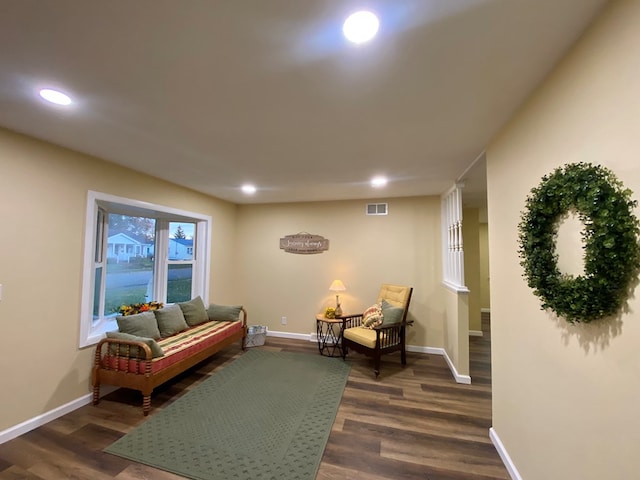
(610, 242)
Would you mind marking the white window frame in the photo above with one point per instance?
(92, 330)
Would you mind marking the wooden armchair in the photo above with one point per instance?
(373, 336)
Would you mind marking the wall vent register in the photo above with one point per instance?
(377, 209)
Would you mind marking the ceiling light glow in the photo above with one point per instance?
(360, 27)
(55, 96)
(249, 189)
(378, 182)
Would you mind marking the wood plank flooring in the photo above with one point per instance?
(411, 423)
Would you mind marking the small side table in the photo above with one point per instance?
(329, 333)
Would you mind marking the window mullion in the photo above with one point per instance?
(201, 253)
(101, 256)
(161, 267)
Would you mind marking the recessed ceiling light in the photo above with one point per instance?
(249, 189)
(378, 182)
(361, 26)
(55, 96)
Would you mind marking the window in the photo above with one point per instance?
(138, 252)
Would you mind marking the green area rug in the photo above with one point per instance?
(267, 415)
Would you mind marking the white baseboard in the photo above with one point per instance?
(506, 459)
(485, 310)
(312, 337)
(296, 336)
(466, 379)
(476, 333)
(35, 422)
(427, 350)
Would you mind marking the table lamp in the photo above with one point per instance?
(337, 286)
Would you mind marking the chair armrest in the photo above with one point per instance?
(395, 325)
(353, 320)
(389, 335)
(383, 327)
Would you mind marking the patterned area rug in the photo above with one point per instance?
(266, 416)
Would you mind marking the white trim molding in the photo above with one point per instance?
(485, 310)
(312, 337)
(504, 455)
(476, 333)
(455, 288)
(35, 422)
(296, 336)
(466, 379)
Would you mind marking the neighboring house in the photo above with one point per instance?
(180, 248)
(123, 247)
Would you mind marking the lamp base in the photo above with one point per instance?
(338, 311)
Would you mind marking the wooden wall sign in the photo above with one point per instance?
(304, 243)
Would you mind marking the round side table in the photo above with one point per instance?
(329, 333)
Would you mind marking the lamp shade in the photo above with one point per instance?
(337, 286)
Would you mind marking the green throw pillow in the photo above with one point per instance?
(391, 314)
(141, 324)
(194, 311)
(170, 320)
(156, 350)
(224, 313)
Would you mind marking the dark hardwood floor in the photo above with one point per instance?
(411, 423)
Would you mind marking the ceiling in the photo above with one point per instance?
(215, 94)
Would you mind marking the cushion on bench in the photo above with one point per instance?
(177, 347)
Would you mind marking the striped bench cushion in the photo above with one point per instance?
(178, 347)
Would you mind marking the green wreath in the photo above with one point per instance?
(610, 242)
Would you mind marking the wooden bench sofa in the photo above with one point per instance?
(141, 362)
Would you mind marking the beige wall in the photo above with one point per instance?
(565, 398)
(402, 247)
(471, 247)
(456, 331)
(485, 288)
(44, 191)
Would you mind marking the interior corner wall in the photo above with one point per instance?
(44, 191)
(565, 397)
(471, 248)
(403, 247)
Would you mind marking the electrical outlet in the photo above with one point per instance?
(284, 320)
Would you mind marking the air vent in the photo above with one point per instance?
(377, 209)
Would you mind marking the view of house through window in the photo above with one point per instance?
(136, 253)
(130, 255)
(180, 273)
(130, 261)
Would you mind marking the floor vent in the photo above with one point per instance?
(377, 209)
